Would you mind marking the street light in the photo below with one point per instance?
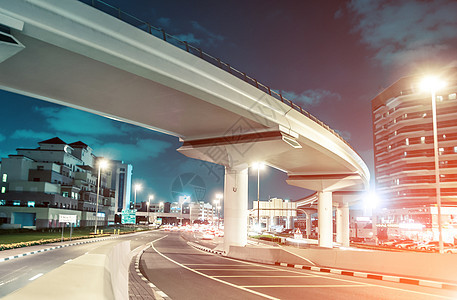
(102, 164)
(184, 199)
(259, 166)
(136, 188)
(432, 84)
(149, 203)
(219, 197)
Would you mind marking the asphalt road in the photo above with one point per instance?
(183, 272)
(16, 273)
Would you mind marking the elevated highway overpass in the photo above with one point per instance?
(70, 53)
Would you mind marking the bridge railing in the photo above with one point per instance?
(160, 33)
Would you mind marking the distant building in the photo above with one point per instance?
(57, 178)
(404, 155)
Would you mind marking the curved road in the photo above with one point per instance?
(183, 272)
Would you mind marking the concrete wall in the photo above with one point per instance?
(100, 274)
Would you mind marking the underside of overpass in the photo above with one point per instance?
(72, 54)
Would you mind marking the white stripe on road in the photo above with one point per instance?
(67, 261)
(36, 276)
(211, 277)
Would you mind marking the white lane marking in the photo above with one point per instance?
(319, 274)
(8, 281)
(36, 276)
(210, 277)
(67, 261)
(303, 285)
(263, 276)
(237, 270)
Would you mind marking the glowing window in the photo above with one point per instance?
(4, 177)
(441, 150)
(17, 202)
(452, 96)
(407, 141)
(3, 189)
(2, 202)
(31, 203)
(455, 149)
(405, 153)
(439, 98)
(422, 139)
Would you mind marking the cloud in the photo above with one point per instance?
(31, 134)
(143, 150)
(164, 21)
(189, 37)
(404, 31)
(210, 37)
(75, 121)
(311, 97)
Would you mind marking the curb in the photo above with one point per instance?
(158, 294)
(406, 280)
(200, 247)
(56, 247)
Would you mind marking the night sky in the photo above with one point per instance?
(331, 57)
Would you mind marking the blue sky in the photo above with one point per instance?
(331, 57)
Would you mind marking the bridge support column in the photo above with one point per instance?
(339, 224)
(308, 225)
(345, 225)
(235, 207)
(325, 216)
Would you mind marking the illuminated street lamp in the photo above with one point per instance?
(259, 166)
(102, 164)
(219, 197)
(151, 197)
(433, 84)
(185, 198)
(136, 188)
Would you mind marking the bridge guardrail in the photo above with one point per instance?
(160, 33)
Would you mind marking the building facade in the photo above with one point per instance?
(404, 149)
(56, 178)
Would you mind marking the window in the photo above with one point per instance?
(439, 98)
(455, 149)
(407, 141)
(422, 139)
(3, 189)
(17, 202)
(4, 177)
(2, 202)
(452, 96)
(30, 203)
(441, 150)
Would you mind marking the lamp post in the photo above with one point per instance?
(136, 188)
(432, 84)
(151, 197)
(102, 164)
(258, 166)
(219, 197)
(185, 198)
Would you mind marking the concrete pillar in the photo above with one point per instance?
(235, 207)
(345, 225)
(308, 225)
(324, 211)
(339, 224)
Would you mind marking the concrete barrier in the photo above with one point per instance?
(100, 274)
(432, 266)
(266, 255)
